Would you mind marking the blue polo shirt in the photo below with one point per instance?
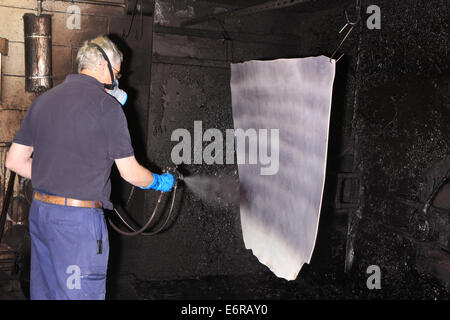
(77, 130)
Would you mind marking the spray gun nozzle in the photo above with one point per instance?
(175, 172)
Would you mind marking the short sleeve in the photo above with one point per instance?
(25, 133)
(118, 141)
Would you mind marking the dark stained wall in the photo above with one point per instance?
(190, 82)
(401, 138)
(388, 133)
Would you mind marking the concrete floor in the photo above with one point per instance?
(309, 285)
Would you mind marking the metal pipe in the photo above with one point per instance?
(97, 3)
(3, 51)
(38, 52)
(39, 7)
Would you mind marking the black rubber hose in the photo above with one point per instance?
(149, 221)
(6, 201)
(134, 233)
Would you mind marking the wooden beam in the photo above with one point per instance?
(207, 63)
(266, 6)
(237, 36)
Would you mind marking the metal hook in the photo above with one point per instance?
(339, 57)
(342, 42)
(358, 14)
(352, 24)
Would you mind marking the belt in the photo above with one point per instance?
(63, 201)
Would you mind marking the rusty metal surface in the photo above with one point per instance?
(38, 52)
(280, 212)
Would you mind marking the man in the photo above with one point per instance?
(67, 144)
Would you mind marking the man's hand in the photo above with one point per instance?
(19, 159)
(162, 182)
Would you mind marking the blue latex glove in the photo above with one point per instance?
(163, 182)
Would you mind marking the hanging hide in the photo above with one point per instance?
(280, 205)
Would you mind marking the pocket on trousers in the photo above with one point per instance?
(93, 282)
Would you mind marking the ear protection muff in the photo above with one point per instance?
(107, 86)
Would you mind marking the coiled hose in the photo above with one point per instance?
(135, 232)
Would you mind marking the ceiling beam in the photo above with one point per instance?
(266, 6)
(97, 3)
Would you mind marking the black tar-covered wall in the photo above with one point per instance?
(401, 129)
(389, 127)
(190, 78)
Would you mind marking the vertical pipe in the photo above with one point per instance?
(3, 51)
(38, 52)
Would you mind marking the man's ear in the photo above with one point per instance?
(104, 66)
(103, 70)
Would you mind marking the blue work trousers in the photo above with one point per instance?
(69, 252)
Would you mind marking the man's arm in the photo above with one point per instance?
(131, 171)
(18, 159)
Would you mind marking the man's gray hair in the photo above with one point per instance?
(88, 56)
